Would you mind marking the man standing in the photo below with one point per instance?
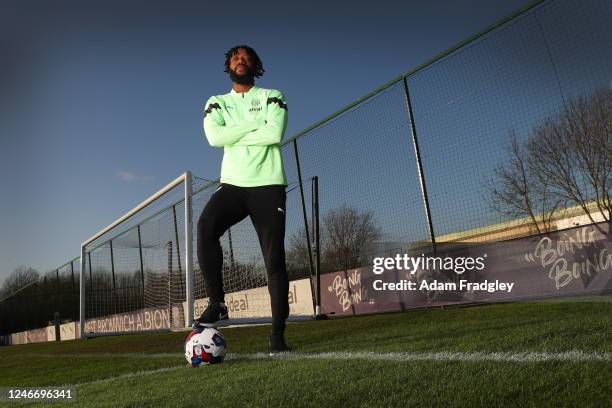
(249, 123)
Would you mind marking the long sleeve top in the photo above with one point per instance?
(249, 126)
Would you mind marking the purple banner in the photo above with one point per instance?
(576, 261)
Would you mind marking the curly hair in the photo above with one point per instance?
(257, 62)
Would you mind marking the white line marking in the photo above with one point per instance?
(399, 357)
(527, 357)
(524, 357)
(134, 374)
(112, 355)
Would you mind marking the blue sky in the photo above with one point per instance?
(101, 102)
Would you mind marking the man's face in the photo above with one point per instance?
(241, 67)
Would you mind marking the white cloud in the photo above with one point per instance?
(130, 177)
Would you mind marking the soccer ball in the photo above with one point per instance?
(206, 346)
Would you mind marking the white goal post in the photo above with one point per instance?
(140, 274)
(143, 321)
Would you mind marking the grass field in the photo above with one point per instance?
(518, 354)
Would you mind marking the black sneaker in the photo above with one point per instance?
(213, 313)
(277, 344)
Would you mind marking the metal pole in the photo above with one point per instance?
(58, 296)
(82, 293)
(72, 294)
(113, 272)
(178, 243)
(72, 274)
(417, 153)
(188, 248)
(90, 273)
(317, 245)
(56, 323)
(299, 171)
(178, 249)
(112, 264)
(231, 249)
(47, 291)
(170, 265)
(141, 266)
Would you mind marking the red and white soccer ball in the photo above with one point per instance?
(205, 346)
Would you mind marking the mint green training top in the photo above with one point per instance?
(249, 126)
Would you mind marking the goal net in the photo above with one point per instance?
(141, 273)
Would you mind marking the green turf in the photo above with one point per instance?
(519, 327)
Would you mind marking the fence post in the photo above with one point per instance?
(317, 245)
(114, 309)
(417, 154)
(72, 275)
(188, 250)
(141, 266)
(299, 172)
(56, 322)
(82, 292)
(170, 274)
(178, 248)
(231, 250)
(90, 273)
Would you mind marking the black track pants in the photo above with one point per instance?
(266, 207)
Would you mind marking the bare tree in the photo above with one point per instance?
(592, 141)
(21, 276)
(566, 150)
(346, 233)
(565, 161)
(518, 192)
(297, 256)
